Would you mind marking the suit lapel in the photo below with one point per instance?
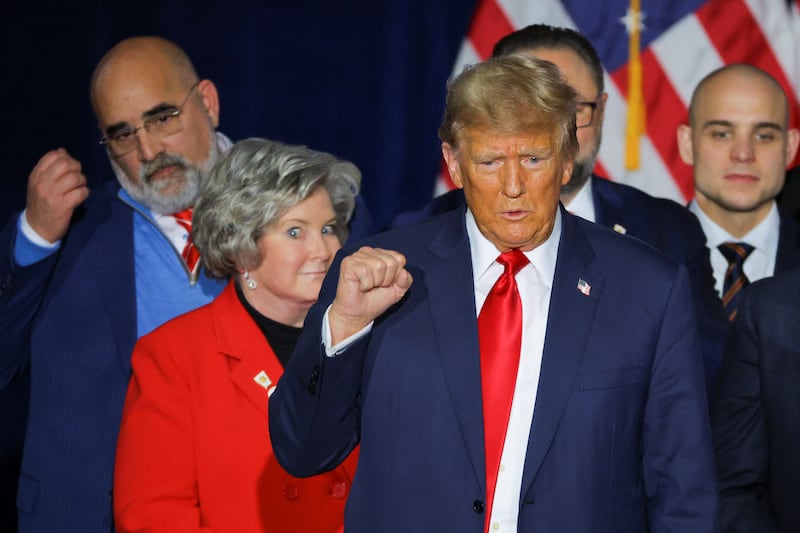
(448, 280)
(113, 265)
(254, 368)
(569, 324)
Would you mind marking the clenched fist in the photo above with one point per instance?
(370, 281)
(56, 187)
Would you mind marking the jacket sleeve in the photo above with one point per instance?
(155, 481)
(314, 413)
(677, 456)
(22, 290)
(739, 431)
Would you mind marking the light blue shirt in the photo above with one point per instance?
(164, 288)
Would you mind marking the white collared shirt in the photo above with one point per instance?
(582, 204)
(535, 282)
(764, 237)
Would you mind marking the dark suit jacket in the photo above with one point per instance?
(666, 225)
(72, 316)
(620, 438)
(756, 414)
(194, 406)
(788, 244)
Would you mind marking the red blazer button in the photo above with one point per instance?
(291, 492)
(339, 490)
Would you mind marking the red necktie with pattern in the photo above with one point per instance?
(190, 254)
(735, 279)
(500, 337)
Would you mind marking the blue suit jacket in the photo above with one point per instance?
(72, 316)
(756, 413)
(667, 226)
(620, 438)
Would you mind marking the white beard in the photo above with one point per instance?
(174, 193)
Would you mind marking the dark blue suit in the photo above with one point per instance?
(620, 438)
(666, 225)
(756, 414)
(72, 316)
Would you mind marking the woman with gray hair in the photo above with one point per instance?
(194, 452)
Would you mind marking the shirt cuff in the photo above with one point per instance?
(332, 351)
(30, 247)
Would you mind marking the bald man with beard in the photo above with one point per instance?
(84, 274)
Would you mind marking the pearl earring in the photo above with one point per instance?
(251, 283)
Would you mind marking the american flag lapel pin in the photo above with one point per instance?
(584, 287)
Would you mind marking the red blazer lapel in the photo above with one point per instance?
(254, 368)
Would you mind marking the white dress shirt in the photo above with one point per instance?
(764, 237)
(535, 282)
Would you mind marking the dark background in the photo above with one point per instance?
(364, 80)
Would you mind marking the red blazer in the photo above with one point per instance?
(194, 452)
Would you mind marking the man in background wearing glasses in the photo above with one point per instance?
(84, 275)
(664, 224)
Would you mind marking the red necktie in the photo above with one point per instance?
(500, 337)
(190, 254)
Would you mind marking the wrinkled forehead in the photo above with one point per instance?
(531, 125)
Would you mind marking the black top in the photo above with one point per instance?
(281, 338)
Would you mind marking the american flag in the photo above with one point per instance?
(680, 41)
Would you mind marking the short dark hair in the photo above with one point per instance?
(553, 37)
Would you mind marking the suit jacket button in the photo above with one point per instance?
(339, 490)
(291, 492)
(477, 506)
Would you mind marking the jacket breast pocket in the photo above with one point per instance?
(609, 379)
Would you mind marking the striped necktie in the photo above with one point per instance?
(190, 255)
(735, 278)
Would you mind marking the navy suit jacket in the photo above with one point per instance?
(667, 226)
(620, 438)
(756, 413)
(72, 317)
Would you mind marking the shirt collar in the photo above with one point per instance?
(484, 253)
(763, 237)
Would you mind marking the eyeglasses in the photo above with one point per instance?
(161, 125)
(584, 113)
